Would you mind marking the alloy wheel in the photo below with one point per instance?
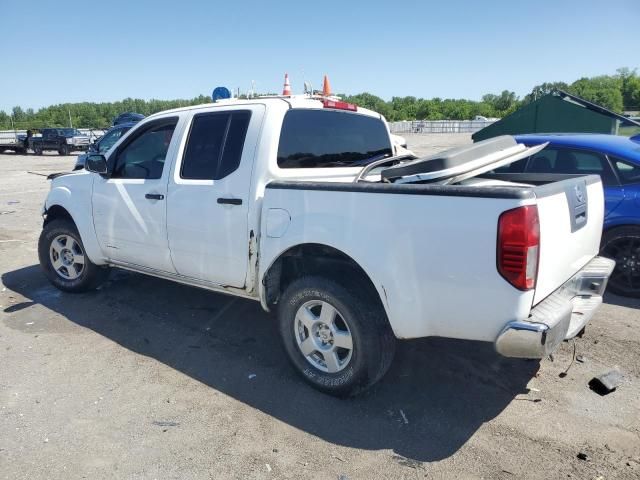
(323, 336)
(626, 252)
(67, 257)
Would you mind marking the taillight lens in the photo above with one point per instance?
(518, 246)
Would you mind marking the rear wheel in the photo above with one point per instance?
(64, 261)
(623, 245)
(339, 342)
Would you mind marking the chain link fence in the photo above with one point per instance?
(439, 126)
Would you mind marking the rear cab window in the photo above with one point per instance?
(327, 139)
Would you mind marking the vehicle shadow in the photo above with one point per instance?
(436, 395)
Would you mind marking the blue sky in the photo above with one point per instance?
(72, 51)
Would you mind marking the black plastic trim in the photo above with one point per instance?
(518, 193)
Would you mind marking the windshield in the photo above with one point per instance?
(70, 132)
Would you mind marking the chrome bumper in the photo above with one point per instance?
(560, 316)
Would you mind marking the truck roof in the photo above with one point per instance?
(295, 101)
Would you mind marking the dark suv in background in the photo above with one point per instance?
(62, 140)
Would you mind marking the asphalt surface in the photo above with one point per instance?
(148, 379)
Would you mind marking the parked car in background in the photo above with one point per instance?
(15, 142)
(104, 143)
(617, 160)
(62, 140)
(127, 117)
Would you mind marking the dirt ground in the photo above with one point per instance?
(148, 379)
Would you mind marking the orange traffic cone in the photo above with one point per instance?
(287, 85)
(326, 87)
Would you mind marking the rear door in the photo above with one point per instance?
(209, 195)
(50, 138)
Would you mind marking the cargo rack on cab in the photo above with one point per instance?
(222, 94)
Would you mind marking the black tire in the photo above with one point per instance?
(372, 339)
(63, 150)
(622, 244)
(90, 275)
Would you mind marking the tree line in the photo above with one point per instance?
(617, 92)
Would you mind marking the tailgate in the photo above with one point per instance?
(571, 213)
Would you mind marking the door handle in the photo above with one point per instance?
(230, 201)
(154, 196)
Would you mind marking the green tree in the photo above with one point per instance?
(503, 102)
(544, 89)
(604, 90)
(630, 88)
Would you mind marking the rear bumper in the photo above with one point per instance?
(560, 316)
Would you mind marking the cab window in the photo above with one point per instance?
(144, 155)
(215, 143)
(321, 138)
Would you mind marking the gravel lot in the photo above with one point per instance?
(149, 379)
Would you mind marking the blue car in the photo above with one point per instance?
(617, 160)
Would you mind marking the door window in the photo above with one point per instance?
(143, 157)
(543, 161)
(573, 162)
(628, 172)
(215, 143)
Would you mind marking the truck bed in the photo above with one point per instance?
(430, 249)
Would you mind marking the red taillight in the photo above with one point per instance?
(339, 105)
(518, 246)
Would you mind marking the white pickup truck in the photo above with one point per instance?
(303, 204)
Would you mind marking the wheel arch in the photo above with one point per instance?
(623, 223)
(314, 259)
(60, 205)
(55, 212)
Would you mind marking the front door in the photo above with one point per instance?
(129, 208)
(208, 198)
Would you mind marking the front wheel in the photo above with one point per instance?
(341, 343)
(63, 150)
(623, 245)
(64, 261)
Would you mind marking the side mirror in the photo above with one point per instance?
(97, 164)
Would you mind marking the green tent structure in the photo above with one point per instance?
(557, 112)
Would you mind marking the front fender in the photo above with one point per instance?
(73, 193)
